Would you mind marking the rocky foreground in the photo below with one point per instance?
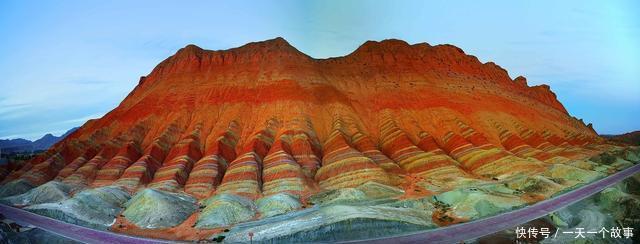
(264, 143)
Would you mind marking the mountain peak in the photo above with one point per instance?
(43, 143)
(264, 120)
(190, 49)
(386, 43)
(277, 44)
(48, 135)
(521, 81)
(389, 57)
(378, 47)
(192, 59)
(278, 41)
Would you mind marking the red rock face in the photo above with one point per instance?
(265, 118)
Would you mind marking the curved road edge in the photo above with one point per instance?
(450, 234)
(490, 225)
(71, 231)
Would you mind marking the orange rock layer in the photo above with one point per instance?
(264, 119)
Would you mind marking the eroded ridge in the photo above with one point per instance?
(478, 155)
(208, 171)
(399, 147)
(173, 173)
(113, 169)
(366, 145)
(267, 142)
(49, 165)
(142, 171)
(305, 147)
(516, 145)
(344, 166)
(244, 175)
(282, 173)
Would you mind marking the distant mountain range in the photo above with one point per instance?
(632, 138)
(22, 145)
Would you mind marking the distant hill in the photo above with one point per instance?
(632, 138)
(14, 143)
(22, 145)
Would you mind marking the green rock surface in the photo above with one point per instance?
(153, 209)
(15, 187)
(94, 208)
(570, 176)
(332, 223)
(478, 202)
(338, 196)
(376, 190)
(225, 209)
(619, 203)
(632, 154)
(52, 191)
(363, 194)
(277, 204)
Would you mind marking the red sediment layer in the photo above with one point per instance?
(45, 171)
(87, 172)
(399, 147)
(458, 147)
(243, 176)
(364, 144)
(281, 173)
(142, 171)
(200, 116)
(344, 166)
(113, 169)
(305, 153)
(175, 170)
(207, 172)
(519, 147)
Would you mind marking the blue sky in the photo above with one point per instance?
(63, 62)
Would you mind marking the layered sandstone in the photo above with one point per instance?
(263, 130)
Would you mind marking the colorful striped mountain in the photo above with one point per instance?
(395, 136)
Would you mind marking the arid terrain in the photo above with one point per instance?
(263, 142)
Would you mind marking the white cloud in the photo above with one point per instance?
(81, 120)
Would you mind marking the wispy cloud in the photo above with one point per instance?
(9, 108)
(81, 120)
(89, 82)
